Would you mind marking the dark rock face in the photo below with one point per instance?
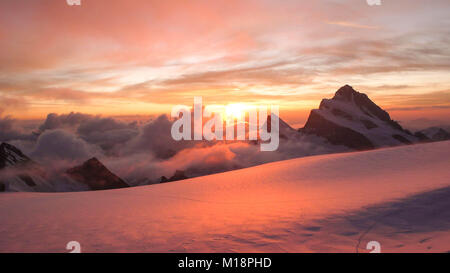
(401, 139)
(27, 179)
(94, 174)
(179, 175)
(163, 179)
(369, 124)
(338, 112)
(336, 134)
(422, 137)
(10, 156)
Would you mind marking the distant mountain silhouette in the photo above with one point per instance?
(94, 174)
(178, 175)
(433, 134)
(20, 173)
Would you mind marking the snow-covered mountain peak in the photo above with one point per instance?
(350, 118)
(346, 92)
(351, 100)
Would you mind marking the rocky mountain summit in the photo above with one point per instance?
(351, 119)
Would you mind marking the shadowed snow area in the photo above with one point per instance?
(399, 197)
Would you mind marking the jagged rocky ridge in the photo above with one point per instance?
(20, 173)
(10, 156)
(19, 169)
(351, 119)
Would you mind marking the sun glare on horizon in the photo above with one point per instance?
(236, 110)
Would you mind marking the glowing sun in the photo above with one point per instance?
(235, 110)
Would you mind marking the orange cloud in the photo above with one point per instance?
(140, 56)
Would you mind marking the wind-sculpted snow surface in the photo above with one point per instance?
(398, 197)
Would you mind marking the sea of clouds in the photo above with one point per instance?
(140, 151)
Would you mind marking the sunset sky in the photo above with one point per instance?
(142, 57)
